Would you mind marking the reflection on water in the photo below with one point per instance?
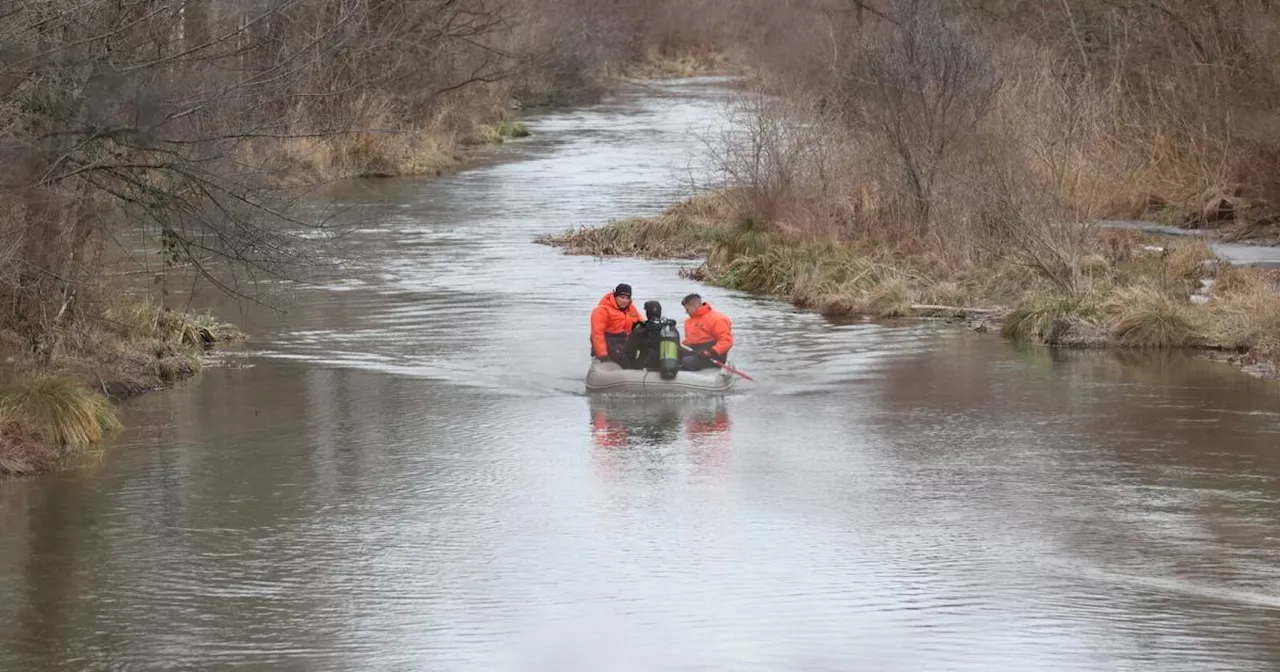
(653, 435)
(405, 474)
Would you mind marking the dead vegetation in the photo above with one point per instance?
(655, 64)
(1128, 290)
(191, 131)
(910, 157)
(686, 230)
(59, 399)
(46, 416)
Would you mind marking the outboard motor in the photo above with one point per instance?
(668, 350)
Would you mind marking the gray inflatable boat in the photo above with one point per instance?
(609, 377)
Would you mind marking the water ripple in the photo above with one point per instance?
(403, 473)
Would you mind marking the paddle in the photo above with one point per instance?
(730, 369)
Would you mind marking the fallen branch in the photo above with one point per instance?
(958, 311)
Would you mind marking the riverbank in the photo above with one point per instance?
(955, 201)
(58, 396)
(1117, 289)
(59, 390)
(432, 149)
(440, 144)
(683, 63)
(1236, 214)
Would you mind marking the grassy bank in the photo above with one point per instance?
(390, 149)
(58, 396)
(1119, 289)
(205, 145)
(395, 146)
(659, 64)
(934, 160)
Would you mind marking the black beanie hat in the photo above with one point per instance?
(622, 289)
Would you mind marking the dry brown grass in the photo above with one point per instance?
(1244, 313)
(384, 152)
(68, 413)
(857, 199)
(21, 450)
(45, 419)
(1021, 126)
(58, 400)
(1146, 317)
(1040, 315)
(382, 145)
(688, 62)
(686, 230)
(1134, 290)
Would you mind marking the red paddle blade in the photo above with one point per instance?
(732, 370)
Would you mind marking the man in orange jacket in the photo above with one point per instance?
(611, 322)
(708, 334)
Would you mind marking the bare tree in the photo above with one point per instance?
(921, 81)
(157, 113)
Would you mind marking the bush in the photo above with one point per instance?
(1146, 317)
(71, 414)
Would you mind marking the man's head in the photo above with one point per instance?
(691, 304)
(622, 295)
(652, 311)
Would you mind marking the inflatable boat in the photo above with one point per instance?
(609, 377)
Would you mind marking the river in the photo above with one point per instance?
(404, 472)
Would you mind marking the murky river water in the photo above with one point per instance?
(404, 473)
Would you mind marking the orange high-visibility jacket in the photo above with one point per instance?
(607, 318)
(707, 326)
